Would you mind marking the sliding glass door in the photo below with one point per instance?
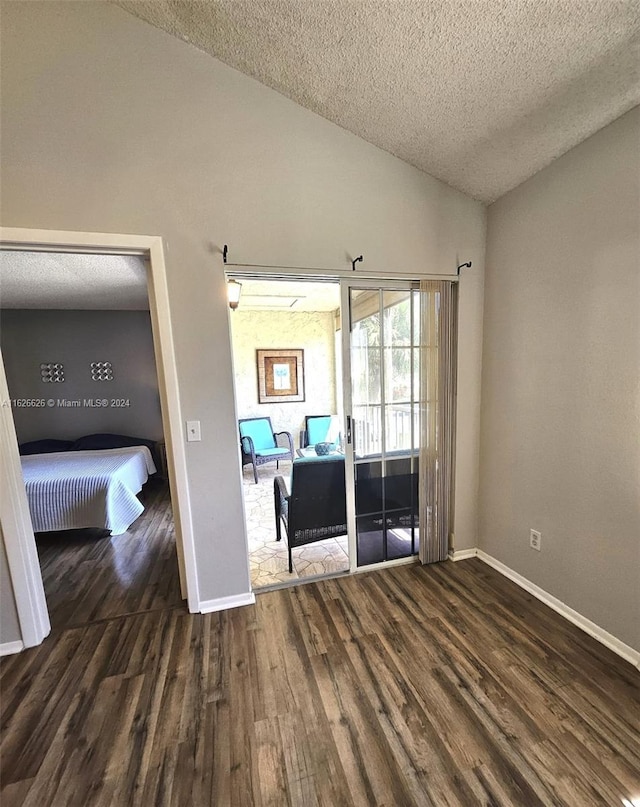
(381, 338)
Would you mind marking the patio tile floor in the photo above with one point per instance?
(268, 558)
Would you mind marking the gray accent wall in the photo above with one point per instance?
(9, 625)
(110, 125)
(561, 380)
(76, 339)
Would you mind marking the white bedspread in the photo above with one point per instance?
(75, 489)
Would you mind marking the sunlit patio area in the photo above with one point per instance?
(267, 557)
(288, 358)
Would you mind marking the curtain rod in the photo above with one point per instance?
(334, 272)
(225, 253)
(311, 275)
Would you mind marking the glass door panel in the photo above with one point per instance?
(383, 352)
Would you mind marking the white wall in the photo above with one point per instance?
(111, 125)
(311, 331)
(561, 379)
(75, 339)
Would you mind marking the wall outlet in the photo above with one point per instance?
(535, 540)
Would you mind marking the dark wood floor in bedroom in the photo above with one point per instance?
(441, 685)
(89, 575)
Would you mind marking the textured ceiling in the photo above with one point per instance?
(479, 93)
(71, 281)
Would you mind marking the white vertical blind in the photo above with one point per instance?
(438, 341)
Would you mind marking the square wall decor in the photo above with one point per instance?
(101, 371)
(52, 372)
(280, 375)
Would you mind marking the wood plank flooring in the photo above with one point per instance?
(441, 685)
(89, 575)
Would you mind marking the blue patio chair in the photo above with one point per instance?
(259, 444)
(318, 429)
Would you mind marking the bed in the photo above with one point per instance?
(75, 489)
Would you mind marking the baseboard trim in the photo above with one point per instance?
(462, 554)
(9, 648)
(600, 634)
(224, 603)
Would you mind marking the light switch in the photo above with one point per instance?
(193, 431)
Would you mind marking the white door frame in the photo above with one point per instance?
(15, 519)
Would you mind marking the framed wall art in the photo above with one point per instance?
(280, 375)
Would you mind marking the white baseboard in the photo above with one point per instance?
(462, 554)
(607, 639)
(224, 603)
(9, 648)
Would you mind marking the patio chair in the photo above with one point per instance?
(319, 429)
(259, 444)
(314, 507)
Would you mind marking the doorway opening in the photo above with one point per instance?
(166, 454)
(335, 493)
(83, 384)
(288, 369)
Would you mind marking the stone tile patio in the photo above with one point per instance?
(269, 558)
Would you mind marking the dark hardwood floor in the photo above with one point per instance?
(89, 575)
(441, 685)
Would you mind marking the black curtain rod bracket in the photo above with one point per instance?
(354, 262)
(225, 251)
(466, 265)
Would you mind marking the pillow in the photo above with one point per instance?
(44, 446)
(97, 442)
